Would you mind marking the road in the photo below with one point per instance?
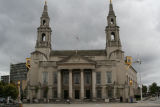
(94, 105)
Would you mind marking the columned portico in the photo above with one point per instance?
(83, 90)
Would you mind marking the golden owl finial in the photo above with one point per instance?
(110, 1)
(45, 2)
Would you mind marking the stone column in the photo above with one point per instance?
(59, 84)
(93, 84)
(70, 84)
(82, 84)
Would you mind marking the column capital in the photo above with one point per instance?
(93, 70)
(70, 70)
(58, 70)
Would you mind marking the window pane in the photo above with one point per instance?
(55, 94)
(65, 77)
(109, 77)
(99, 93)
(87, 76)
(55, 77)
(110, 93)
(98, 77)
(45, 77)
(76, 78)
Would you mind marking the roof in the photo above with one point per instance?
(78, 52)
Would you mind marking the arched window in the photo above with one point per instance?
(43, 37)
(44, 22)
(112, 36)
(112, 21)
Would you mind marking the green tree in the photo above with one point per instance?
(1, 90)
(144, 89)
(11, 90)
(153, 88)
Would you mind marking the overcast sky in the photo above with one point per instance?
(139, 22)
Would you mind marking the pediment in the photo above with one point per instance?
(76, 59)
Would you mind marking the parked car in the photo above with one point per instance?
(2, 100)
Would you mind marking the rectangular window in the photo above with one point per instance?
(87, 78)
(55, 94)
(109, 77)
(99, 93)
(98, 77)
(54, 77)
(76, 78)
(110, 93)
(65, 77)
(45, 77)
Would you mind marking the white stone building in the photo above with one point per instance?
(81, 74)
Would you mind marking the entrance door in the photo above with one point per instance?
(88, 94)
(66, 95)
(77, 96)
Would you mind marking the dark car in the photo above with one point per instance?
(2, 100)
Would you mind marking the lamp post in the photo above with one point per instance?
(130, 86)
(19, 92)
(129, 62)
(139, 62)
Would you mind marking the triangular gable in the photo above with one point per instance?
(76, 59)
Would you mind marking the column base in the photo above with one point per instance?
(94, 99)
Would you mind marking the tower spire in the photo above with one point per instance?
(44, 31)
(45, 10)
(111, 11)
(45, 2)
(112, 32)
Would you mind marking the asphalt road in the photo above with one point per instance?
(94, 105)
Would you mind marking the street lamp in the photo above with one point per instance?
(129, 63)
(139, 62)
(19, 93)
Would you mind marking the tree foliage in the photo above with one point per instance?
(7, 90)
(144, 89)
(1, 90)
(11, 90)
(153, 88)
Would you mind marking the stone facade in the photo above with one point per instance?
(80, 74)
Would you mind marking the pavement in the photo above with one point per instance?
(152, 102)
(95, 105)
